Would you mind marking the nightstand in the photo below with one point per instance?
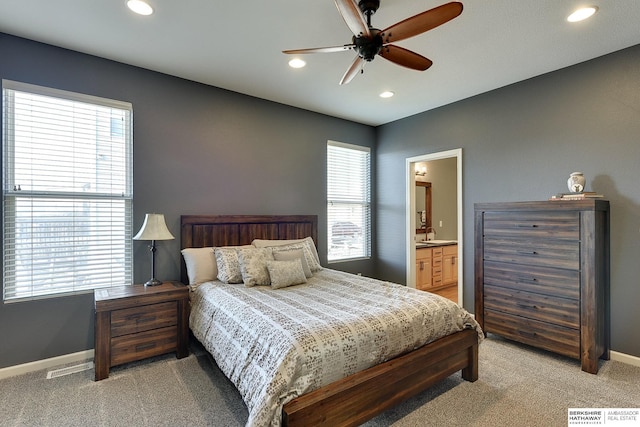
(136, 322)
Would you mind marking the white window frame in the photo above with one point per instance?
(348, 202)
(65, 233)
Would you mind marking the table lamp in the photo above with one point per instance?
(154, 228)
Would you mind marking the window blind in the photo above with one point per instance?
(67, 192)
(348, 201)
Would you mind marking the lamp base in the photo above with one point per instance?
(153, 282)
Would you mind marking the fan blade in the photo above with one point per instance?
(329, 49)
(421, 22)
(352, 71)
(406, 58)
(353, 17)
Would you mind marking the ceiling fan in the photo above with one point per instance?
(369, 42)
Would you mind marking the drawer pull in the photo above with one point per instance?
(528, 252)
(147, 346)
(527, 226)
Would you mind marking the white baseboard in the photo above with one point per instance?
(625, 358)
(38, 365)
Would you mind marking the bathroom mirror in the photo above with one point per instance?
(423, 203)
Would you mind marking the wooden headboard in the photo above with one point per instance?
(199, 231)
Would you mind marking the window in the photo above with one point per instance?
(348, 201)
(67, 192)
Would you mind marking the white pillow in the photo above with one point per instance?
(201, 265)
(285, 273)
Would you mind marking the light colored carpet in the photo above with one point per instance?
(518, 386)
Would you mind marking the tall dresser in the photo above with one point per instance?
(542, 275)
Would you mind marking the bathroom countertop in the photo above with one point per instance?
(435, 243)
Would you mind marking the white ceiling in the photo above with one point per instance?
(236, 45)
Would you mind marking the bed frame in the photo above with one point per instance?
(359, 397)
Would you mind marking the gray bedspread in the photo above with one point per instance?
(277, 344)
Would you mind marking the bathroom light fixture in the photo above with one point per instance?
(140, 7)
(386, 94)
(582, 13)
(297, 63)
(422, 171)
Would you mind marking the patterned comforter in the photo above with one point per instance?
(277, 344)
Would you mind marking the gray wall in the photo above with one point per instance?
(197, 149)
(521, 142)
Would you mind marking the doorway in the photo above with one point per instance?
(412, 212)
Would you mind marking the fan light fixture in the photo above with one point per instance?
(582, 14)
(297, 63)
(386, 94)
(369, 42)
(140, 7)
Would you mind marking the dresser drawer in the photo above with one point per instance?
(143, 318)
(127, 348)
(556, 225)
(544, 280)
(560, 311)
(536, 252)
(544, 335)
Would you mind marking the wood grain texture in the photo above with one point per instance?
(542, 275)
(136, 322)
(359, 397)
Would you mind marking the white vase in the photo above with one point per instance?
(576, 182)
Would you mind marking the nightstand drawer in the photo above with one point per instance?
(128, 348)
(143, 318)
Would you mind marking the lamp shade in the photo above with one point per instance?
(154, 228)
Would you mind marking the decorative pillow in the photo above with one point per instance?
(294, 254)
(286, 273)
(228, 264)
(201, 265)
(253, 265)
(260, 243)
(314, 266)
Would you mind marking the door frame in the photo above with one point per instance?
(410, 214)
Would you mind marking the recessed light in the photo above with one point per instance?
(386, 94)
(297, 63)
(582, 14)
(140, 7)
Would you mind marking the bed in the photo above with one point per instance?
(300, 391)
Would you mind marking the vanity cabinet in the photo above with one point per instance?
(542, 275)
(437, 270)
(450, 265)
(423, 268)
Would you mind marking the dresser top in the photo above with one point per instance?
(556, 205)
